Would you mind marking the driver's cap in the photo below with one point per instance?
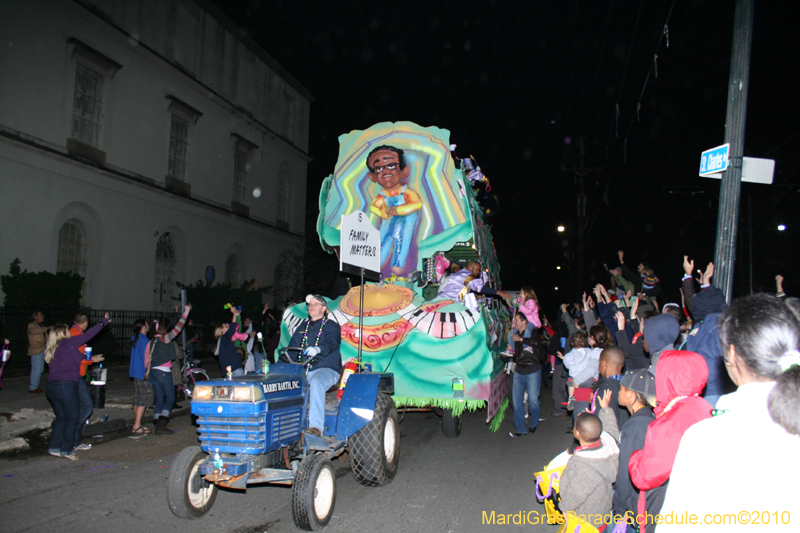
(317, 297)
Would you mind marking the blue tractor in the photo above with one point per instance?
(251, 432)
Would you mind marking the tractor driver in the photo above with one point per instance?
(320, 338)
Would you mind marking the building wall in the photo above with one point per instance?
(157, 58)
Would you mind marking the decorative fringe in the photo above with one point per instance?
(456, 404)
(498, 417)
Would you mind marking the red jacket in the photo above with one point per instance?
(679, 374)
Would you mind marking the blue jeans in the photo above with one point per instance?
(319, 382)
(533, 384)
(37, 367)
(66, 405)
(164, 392)
(85, 408)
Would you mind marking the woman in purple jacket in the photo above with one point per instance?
(64, 358)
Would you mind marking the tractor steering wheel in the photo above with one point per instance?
(285, 357)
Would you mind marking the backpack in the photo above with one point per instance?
(160, 353)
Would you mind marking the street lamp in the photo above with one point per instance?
(561, 229)
(781, 227)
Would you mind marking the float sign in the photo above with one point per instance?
(359, 246)
(714, 161)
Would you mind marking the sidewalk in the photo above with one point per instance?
(22, 413)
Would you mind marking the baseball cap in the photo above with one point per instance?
(641, 381)
(316, 297)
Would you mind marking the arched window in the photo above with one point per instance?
(232, 270)
(282, 211)
(164, 286)
(72, 249)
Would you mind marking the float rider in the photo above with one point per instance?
(320, 339)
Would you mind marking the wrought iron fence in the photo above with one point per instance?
(114, 342)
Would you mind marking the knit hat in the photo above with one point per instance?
(641, 381)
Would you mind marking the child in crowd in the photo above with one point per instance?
(612, 362)
(584, 359)
(637, 393)
(586, 483)
(529, 306)
(680, 379)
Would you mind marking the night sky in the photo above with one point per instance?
(517, 84)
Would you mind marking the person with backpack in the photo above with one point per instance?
(158, 362)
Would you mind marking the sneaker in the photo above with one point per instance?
(71, 457)
(510, 434)
(83, 447)
(36, 391)
(571, 403)
(532, 430)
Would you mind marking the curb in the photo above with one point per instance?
(17, 444)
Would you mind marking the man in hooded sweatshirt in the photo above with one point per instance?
(680, 379)
(707, 307)
(660, 332)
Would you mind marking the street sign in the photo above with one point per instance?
(714, 161)
(360, 245)
(754, 170)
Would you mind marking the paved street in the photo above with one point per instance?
(442, 485)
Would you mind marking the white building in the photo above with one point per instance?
(135, 138)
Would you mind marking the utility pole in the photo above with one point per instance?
(730, 188)
(581, 172)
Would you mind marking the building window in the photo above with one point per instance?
(178, 148)
(87, 113)
(72, 251)
(282, 211)
(241, 167)
(240, 164)
(164, 284)
(232, 270)
(72, 248)
(287, 116)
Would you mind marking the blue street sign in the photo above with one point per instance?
(715, 160)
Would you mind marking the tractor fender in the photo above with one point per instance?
(357, 406)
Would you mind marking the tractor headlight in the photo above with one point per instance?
(244, 394)
(203, 392)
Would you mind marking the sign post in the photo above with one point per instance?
(360, 253)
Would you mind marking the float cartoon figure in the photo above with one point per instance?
(396, 205)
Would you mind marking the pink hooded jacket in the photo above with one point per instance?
(531, 312)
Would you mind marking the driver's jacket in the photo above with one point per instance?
(329, 341)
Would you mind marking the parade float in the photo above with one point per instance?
(441, 346)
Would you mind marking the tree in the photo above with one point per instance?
(208, 301)
(41, 289)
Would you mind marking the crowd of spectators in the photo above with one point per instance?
(680, 410)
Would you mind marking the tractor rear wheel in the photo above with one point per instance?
(375, 448)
